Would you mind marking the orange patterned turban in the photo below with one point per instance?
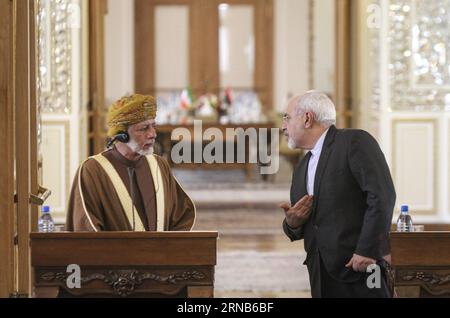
(130, 110)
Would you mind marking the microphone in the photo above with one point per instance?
(121, 136)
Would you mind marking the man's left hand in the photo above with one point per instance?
(360, 263)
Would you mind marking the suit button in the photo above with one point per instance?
(315, 227)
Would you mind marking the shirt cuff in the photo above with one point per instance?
(293, 233)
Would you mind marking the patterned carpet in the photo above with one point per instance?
(255, 258)
(259, 272)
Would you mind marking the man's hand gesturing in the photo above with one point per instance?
(298, 214)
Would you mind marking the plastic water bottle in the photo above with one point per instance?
(404, 222)
(45, 223)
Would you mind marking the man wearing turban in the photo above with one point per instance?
(127, 187)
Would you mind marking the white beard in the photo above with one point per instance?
(291, 144)
(132, 144)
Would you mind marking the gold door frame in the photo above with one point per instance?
(19, 172)
(7, 219)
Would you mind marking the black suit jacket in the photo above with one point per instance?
(354, 198)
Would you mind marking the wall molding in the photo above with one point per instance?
(63, 128)
(395, 122)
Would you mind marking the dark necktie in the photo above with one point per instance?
(307, 158)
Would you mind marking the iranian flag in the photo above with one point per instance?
(228, 98)
(186, 98)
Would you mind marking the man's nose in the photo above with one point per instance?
(152, 133)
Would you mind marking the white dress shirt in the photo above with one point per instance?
(313, 161)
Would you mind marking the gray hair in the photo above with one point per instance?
(319, 104)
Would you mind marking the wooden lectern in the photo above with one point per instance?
(421, 264)
(124, 264)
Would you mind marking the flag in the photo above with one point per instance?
(228, 97)
(186, 98)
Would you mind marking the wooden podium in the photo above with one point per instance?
(421, 264)
(124, 264)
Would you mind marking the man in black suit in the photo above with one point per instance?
(342, 200)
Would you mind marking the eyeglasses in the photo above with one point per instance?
(286, 117)
(145, 129)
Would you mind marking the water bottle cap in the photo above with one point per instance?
(404, 208)
(45, 209)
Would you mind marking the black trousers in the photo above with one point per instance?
(325, 286)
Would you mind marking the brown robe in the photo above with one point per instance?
(99, 207)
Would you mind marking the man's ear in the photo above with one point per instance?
(129, 130)
(309, 119)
